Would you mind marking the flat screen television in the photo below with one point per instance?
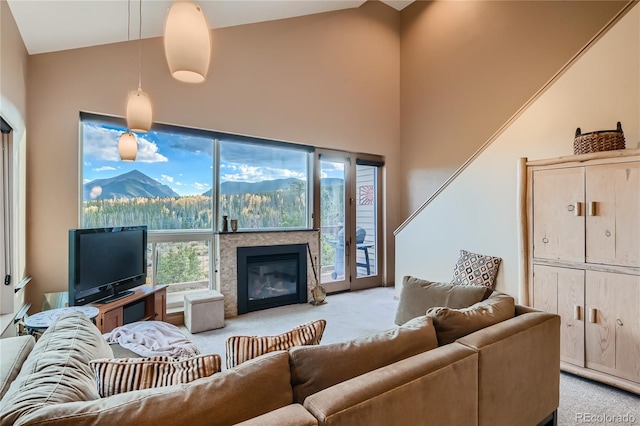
(106, 263)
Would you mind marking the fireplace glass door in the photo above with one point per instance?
(272, 277)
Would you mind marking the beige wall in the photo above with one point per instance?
(13, 108)
(468, 66)
(478, 210)
(329, 80)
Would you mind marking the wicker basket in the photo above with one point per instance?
(602, 140)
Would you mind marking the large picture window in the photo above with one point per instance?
(181, 183)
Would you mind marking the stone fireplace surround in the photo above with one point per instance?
(226, 259)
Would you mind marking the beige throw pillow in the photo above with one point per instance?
(451, 324)
(244, 348)
(319, 367)
(118, 375)
(417, 296)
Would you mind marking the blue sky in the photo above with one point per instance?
(185, 162)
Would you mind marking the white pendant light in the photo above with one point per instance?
(187, 42)
(128, 146)
(139, 110)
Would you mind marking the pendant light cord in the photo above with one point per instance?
(140, 49)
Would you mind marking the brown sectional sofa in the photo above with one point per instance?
(504, 374)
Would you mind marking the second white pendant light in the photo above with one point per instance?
(139, 111)
(187, 42)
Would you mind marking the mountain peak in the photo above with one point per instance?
(131, 184)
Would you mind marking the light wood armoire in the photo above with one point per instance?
(582, 259)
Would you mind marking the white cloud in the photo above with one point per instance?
(100, 143)
(167, 178)
(292, 174)
(148, 152)
(244, 173)
(201, 186)
(104, 169)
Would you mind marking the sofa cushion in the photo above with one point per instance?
(244, 348)
(14, 352)
(57, 370)
(476, 269)
(314, 368)
(252, 389)
(418, 295)
(117, 375)
(451, 324)
(435, 388)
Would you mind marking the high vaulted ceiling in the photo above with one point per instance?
(52, 25)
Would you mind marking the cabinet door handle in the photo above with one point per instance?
(577, 208)
(592, 315)
(576, 312)
(591, 210)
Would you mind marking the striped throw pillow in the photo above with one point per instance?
(118, 375)
(244, 348)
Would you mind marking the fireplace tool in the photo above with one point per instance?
(318, 293)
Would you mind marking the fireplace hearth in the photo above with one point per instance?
(271, 276)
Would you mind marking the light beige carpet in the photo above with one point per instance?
(348, 315)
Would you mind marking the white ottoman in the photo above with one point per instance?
(203, 311)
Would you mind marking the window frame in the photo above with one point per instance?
(6, 219)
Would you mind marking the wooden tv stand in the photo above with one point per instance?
(146, 303)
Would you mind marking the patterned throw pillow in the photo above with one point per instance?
(118, 375)
(476, 269)
(244, 348)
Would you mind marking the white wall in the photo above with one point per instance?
(478, 210)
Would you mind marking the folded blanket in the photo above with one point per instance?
(151, 338)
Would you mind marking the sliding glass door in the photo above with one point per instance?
(367, 223)
(331, 198)
(347, 205)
